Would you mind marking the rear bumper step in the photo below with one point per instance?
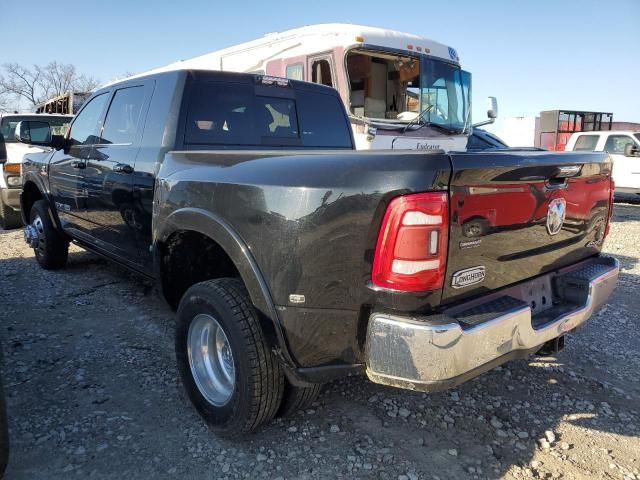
(437, 352)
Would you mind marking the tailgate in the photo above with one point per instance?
(518, 214)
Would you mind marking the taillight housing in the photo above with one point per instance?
(411, 251)
(611, 195)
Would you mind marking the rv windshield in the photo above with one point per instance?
(392, 91)
(445, 92)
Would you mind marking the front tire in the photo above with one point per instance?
(9, 218)
(231, 376)
(52, 249)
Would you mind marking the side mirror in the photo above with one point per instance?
(631, 150)
(33, 132)
(492, 111)
(58, 142)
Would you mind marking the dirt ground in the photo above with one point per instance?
(92, 391)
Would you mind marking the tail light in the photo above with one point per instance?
(611, 194)
(411, 251)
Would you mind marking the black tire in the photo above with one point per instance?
(53, 247)
(9, 218)
(297, 398)
(259, 379)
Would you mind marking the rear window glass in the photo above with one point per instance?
(586, 143)
(231, 114)
(278, 117)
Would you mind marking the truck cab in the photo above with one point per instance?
(624, 148)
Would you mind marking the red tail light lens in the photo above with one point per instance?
(411, 252)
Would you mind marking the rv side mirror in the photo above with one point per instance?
(492, 111)
(631, 150)
(33, 132)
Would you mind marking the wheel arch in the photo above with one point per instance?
(30, 194)
(189, 221)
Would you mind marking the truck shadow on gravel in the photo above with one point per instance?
(92, 386)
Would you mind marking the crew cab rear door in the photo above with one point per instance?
(116, 215)
(517, 214)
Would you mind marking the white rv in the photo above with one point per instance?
(400, 90)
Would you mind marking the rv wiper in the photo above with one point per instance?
(438, 126)
(418, 118)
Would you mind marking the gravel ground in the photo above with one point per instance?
(92, 391)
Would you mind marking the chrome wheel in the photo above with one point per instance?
(211, 359)
(37, 239)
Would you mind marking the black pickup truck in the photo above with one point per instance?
(293, 260)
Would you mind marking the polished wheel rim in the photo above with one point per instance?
(211, 360)
(39, 226)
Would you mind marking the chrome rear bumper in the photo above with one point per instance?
(440, 351)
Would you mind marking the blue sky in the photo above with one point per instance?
(532, 55)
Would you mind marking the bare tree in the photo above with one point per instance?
(21, 82)
(39, 83)
(58, 78)
(4, 103)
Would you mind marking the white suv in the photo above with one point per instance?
(624, 148)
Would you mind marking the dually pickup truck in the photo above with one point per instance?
(293, 260)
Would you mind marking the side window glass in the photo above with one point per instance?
(321, 73)
(85, 128)
(8, 129)
(123, 117)
(294, 71)
(617, 143)
(323, 123)
(586, 143)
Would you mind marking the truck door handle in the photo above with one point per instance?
(78, 164)
(123, 168)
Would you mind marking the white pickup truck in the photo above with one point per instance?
(624, 148)
(11, 154)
